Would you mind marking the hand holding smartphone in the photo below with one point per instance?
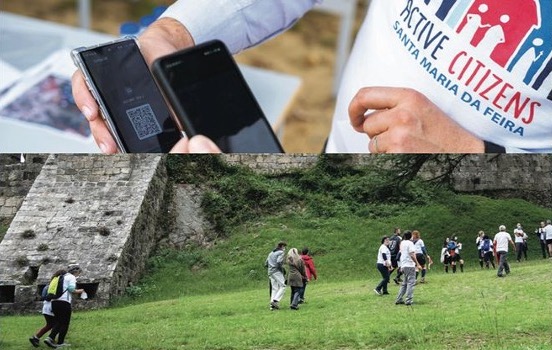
(129, 100)
(209, 96)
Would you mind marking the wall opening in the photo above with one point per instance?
(7, 294)
(90, 288)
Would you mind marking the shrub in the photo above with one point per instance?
(28, 234)
(43, 247)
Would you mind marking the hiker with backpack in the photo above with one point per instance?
(46, 312)
(65, 286)
(454, 247)
(394, 244)
(487, 251)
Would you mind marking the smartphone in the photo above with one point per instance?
(209, 96)
(129, 100)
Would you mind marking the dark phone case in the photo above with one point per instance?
(161, 76)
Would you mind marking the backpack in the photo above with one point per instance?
(486, 245)
(55, 288)
(394, 245)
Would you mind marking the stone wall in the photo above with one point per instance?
(99, 211)
(16, 178)
(526, 176)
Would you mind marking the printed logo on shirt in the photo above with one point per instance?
(491, 43)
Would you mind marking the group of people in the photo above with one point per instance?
(407, 255)
(450, 254)
(489, 249)
(57, 312)
(300, 271)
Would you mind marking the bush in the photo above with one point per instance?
(28, 234)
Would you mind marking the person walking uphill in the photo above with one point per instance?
(275, 265)
(47, 312)
(500, 243)
(409, 263)
(309, 269)
(383, 265)
(296, 277)
(62, 308)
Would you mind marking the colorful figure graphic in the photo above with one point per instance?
(508, 27)
(537, 46)
(458, 12)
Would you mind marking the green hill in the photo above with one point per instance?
(217, 298)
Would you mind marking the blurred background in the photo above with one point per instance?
(308, 51)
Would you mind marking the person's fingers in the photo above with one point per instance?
(197, 144)
(83, 98)
(373, 98)
(89, 108)
(103, 138)
(202, 144)
(181, 146)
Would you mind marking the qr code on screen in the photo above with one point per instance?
(144, 121)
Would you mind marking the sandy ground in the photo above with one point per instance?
(307, 51)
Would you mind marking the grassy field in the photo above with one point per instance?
(470, 310)
(217, 298)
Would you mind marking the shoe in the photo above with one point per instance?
(399, 302)
(50, 343)
(302, 301)
(396, 281)
(385, 293)
(275, 305)
(408, 303)
(294, 307)
(500, 275)
(377, 292)
(35, 341)
(422, 280)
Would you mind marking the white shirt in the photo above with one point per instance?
(519, 235)
(548, 230)
(384, 250)
(502, 239)
(47, 308)
(69, 284)
(407, 247)
(417, 47)
(418, 246)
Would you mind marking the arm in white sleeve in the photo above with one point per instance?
(238, 23)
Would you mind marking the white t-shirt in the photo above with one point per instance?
(69, 285)
(47, 308)
(418, 246)
(502, 239)
(407, 247)
(384, 250)
(548, 230)
(486, 63)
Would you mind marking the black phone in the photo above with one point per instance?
(130, 101)
(209, 96)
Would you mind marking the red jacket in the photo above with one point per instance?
(309, 267)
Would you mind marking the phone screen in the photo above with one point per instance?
(210, 97)
(130, 97)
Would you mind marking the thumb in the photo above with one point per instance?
(201, 144)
